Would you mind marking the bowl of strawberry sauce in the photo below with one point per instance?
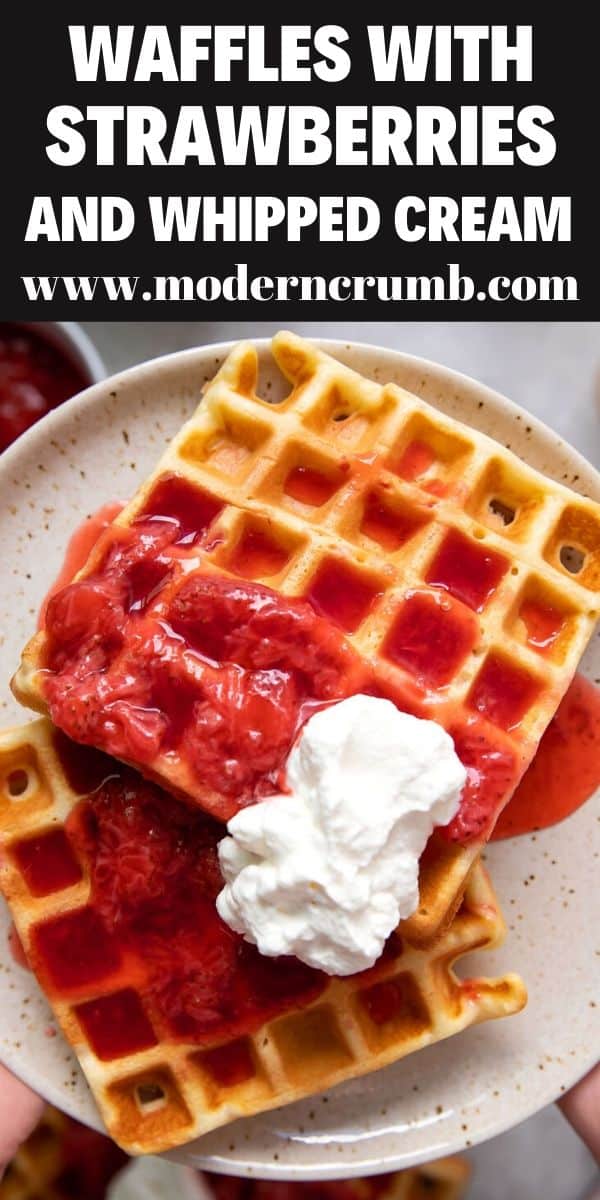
(42, 364)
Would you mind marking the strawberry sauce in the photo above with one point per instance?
(79, 546)
(391, 528)
(17, 949)
(563, 775)
(220, 671)
(543, 624)
(150, 937)
(47, 863)
(35, 377)
(416, 460)
(467, 571)
(566, 769)
(309, 486)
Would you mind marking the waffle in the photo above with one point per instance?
(37, 1164)
(468, 580)
(444, 1179)
(55, 1162)
(173, 1091)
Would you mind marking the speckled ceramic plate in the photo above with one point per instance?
(98, 447)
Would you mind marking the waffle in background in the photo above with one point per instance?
(155, 1090)
(62, 1160)
(468, 579)
(444, 1179)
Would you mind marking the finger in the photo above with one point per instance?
(581, 1107)
(20, 1110)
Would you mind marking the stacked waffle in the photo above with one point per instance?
(460, 584)
(437, 551)
(155, 1090)
(61, 1160)
(444, 1179)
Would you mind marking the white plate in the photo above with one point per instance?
(97, 448)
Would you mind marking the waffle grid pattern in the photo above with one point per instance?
(172, 1092)
(378, 449)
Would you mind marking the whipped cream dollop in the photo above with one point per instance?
(326, 871)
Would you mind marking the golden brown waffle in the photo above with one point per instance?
(396, 479)
(36, 1166)
(61, 1160)
(172, 1092)
(444, 1179)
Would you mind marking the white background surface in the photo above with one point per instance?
(553, 370)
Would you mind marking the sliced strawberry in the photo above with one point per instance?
(249, 624)
(85, 625)
(492, 775)
(242, 729)
(141, 841)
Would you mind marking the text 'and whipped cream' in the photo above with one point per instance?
(326, 871)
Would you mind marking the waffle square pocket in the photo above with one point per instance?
(389, 548)
(179, 1025)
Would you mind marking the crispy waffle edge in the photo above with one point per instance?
(163, 1097)
(218, 450)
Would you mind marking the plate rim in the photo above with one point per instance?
(589, 478)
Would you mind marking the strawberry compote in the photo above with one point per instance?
(159, 660)
(218, 671)
(154, 879)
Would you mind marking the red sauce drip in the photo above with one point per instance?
(417, 458)
(257, 555)
(185, 509)
(230, 1064)
(437, 487)
(73, 950)
(566, 769)
(381, 1002)
(154, 880)
(491, 769)
(47, 862)
(222, 675)
(310, 486)
(543, 624)
(17, 949)
(272, 655)
(116, 1025)
(35, 377)
(342, 594)
(85, 768)
(492, 773)
(79, 547)
(391, 528)
(503, 692)
(429, 639)
(144, 582)
(466, 570)
(393, 998)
